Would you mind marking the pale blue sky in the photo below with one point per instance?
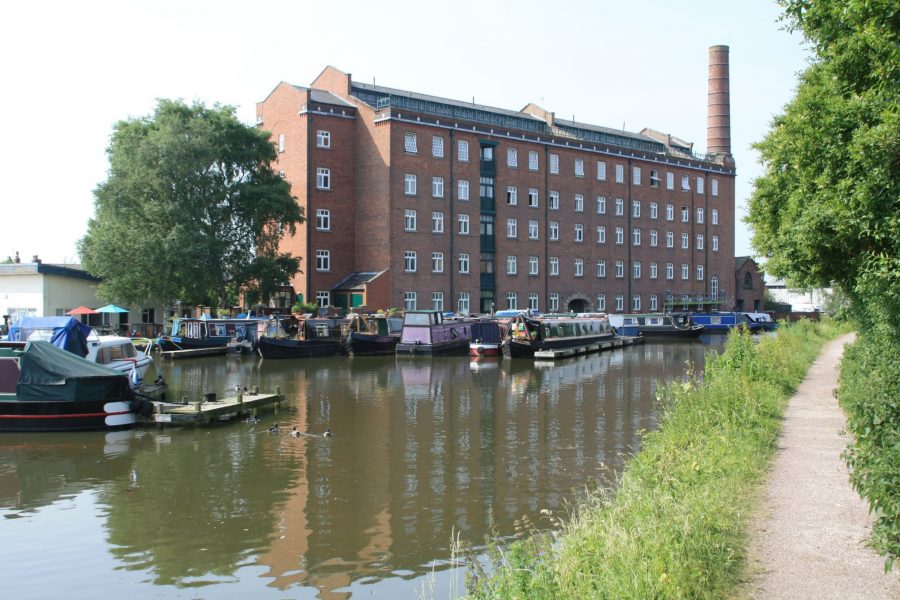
(72, 69)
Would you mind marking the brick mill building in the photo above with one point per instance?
(420, 202)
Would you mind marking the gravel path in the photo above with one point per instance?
(808, 537)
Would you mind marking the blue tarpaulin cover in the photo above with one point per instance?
(67, 333)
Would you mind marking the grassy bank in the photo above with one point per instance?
(675, 526)
(869, 393)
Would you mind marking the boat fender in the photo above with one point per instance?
(142, 406)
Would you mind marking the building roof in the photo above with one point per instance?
(357, 280)
(324, 97)
(70, 271)
(740, 261)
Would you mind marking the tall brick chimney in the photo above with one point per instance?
(718, 117)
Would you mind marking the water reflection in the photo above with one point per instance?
(422, 447)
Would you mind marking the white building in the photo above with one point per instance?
(801, 300)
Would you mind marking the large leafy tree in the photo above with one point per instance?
(191, 209)
(827, 209)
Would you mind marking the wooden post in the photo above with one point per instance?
(278, 401)
(240, 398)
(255, 389)
(184, 399)
(196, 407)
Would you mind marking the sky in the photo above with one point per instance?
(71, 70)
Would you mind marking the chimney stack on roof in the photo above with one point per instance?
(718, 118)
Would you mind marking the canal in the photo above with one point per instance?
(422, 448)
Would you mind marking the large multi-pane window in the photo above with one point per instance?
(579, 267)
(512, 265)
(553, 302)
(554, 201)
(409, 261)
(437, 301)
(409, 184)
(636, 209)
(512, 195)
(323, 219)
(533, 265)
(636, 302)
(653, 269)
(685, 241)
(512, 228)
(620, 302)
(463, 262)
(620, 269)
(670, 180)
(554, 164)
(437, 222)
(323, 260)
(579, 232)
(437, 146)
(699, 215)
(715, 216)
(670, 212)
(601, 302)
(532, 160)
(463, 303)
(437, 187)
(699, 272)
(714, 286)
(715, 243)
(579, 167)
(601, 170)
(654, 302)
(601, 234)
(554, 230)
(437, 262)
(512, 300)
(670, 271)
(409, 143)
(579, 203)
(601, 205)
(533, 301)
(462, 151)
(636, 269)
(654, 238)
(409, 300)
(685, 271)
(699, 241)
(601, 268)
(554, 265)
(532, 229)
(714, 187)
(409, 220)
(323, 139)
(635, 237)
(620, 207)
(620, 173)
(532, 197)
(635, 175)
(670, 239)
(620, 236)
(512, 157)
(462, 189)
(323, 298)
(323, 178)
(654, 210)
(463, 224)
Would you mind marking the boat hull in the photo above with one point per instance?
(484, 349)
(448, 348)
(516, 348)
(170, 343)
(369, 344)
(674, 333)
(287, 348)
(50, 416)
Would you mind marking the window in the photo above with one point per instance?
(654, 238)
(699, 244)
(323, 219)
(437, 146)
(636, 302)
(601, 170)
(636, 269)
(620, 269)
(620, 207)
(579, 167)
(512, 228)
(601, 234)
(670, 181)
(601, 205)
(437, 301)
(486, 225)
(554, 302)
(437, 187)
(512, 300)
(487, 153)
(699, 272)
(281, 174)
(463, 224)
(554, 200)
(579, 203)
(620, 174)
(533, 265)
(636, 209)
(714, 187)
(670, 212)
(685, 183)
(463, 303)
(512, 195)
(512, 157)
(715, 243)
(654, 270)
(620, 302)
(670, 239)
(323, 139)
(554, 230)
(409, 143)
(409, 300)
(437, 222)
(462, 189)
(579, 267)
(409, 220)
(635, 237)
(532, 229)
(533, 301)
(437, 262)
(715, 216)
(700, 189)
(620, 236)
(409, 185)
(323, 178)
(532, 160)
(685, 271)
(714, 286)
(685, 241)
(685, 214)
(281, 142)
(579, 232)
(323, 260)
(532, 197)
(654, 210)
(635, 175)
(699, 215)
(601, 268)
(409, 261)
(462, 151)
(554, 164)
(670, 271)
(323, 298)
(654, 303)
(654, 178)
(512, 265)
(554, 265)
(601, 302)
(463, 262)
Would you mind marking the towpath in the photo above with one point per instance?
(808, 536)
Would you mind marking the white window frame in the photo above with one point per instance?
(635, 175)
(409, 184)
(512, 158)
(554, 164)
(463, 221)
(620, 269)
(670, 239)
(601, 234)
(670, 180)
(685, 271)
(636, 302)
(323, 178)
(437, 222)
(670, 271)
(601, 170)
(654, 238)
(579, 202)
(635, 237)
(463, 262)
(554, 266)
(533, 200)
(437, 187)
(437, 146)
(685, 183)
(409, 219)
(437, 262)
(462, 151)
(533, 301)
(437, 301)
(636, 209)
(654, 211)
(554, 230)
(462, 304)
(654, 269)
(323, 139)
(714, 217)
(410, 143)
(323, 260)
(699, 241)
(512, 265)
(323, 298)
(579, 233)
(579, 167)
(620, 173)
(654, 302)
(601, 302)
(670, 212)
(409, 300)
(700, 215)
(533, 160)
(579, 267)
(620, 236)
(620, 302)
(553, 302)
(512, 228)
(601, 205)
(685, 241)
(699, 272)
(601, 268)
(636, 269)
(714, 187)
(323, 219)
(280, 142)
(715, 243)
(620, 207)
(700, 185)
(462, 189)
(553, 201)
(512, 195)
(512, 300)
(533, 265)
(409, 261)
(533, 229)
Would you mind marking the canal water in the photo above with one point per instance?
(423, 449)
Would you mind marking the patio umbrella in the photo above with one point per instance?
(81, 310)
(111, 308)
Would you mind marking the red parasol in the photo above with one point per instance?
(82, 310)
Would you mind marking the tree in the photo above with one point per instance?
(827, 209)
(191, 209)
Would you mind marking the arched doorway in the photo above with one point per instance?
(578, 305)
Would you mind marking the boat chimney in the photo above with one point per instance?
(36, 259)
(718, 118)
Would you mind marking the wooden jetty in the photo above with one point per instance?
(617, 342)
(194, 352)
(210, 410)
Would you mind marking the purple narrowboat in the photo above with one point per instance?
(429, 332)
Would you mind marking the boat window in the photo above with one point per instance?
(418, 319)
(220, 330)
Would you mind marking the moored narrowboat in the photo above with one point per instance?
(303, 338)
(527, 335)
(429, 332)
(656, 325)
(372, 335)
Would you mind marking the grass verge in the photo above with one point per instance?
(675, 527)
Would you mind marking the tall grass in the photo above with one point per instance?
(675, 527)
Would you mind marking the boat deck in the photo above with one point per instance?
(205, 413)
(597, 347)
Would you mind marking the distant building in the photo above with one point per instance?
(749, 286)
(798, 299)
(418, 201)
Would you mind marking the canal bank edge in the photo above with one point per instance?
(677, 525)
